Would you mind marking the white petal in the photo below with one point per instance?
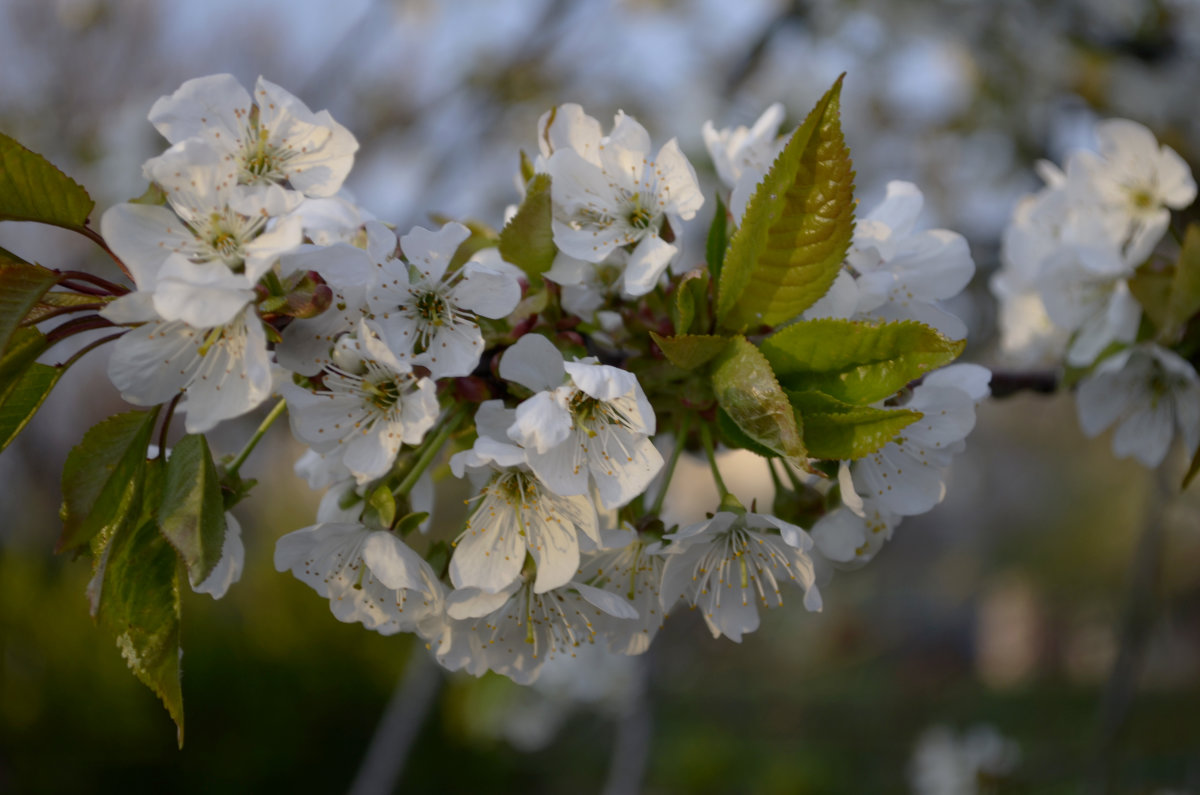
(229, 568)
(647, 263)
(491, 551)
(201, 294)
(393, 562)
(608, 602)
(487, 292)
(431, 251)
(202, 106)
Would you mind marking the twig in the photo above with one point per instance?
(398, 728)
(631, 751)
(1005, 384)
(1138, 619)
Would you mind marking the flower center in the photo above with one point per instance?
(262, 163)
(638, 215)
(383, 394)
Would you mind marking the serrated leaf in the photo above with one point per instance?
(57, 299)
(735, 437)
(689, 307)
(25, 345)
(718, 239)
(33, 189)
(689, 351)
(102, 475)
(853, 361)
(191, 514)
(137, 590)
(23, 398)
(836, 430)
(527, 240)
(21, 286)
(798, 224)
(747, 391)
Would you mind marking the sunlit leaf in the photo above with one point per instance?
(747, 391)
(527, 240)
(836, 430)
(689, 351)
(854, 361)
(790, 245)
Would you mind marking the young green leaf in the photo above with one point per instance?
(689, 309)
(383, 503)
(835, 430)
(21, 286)
(798, 224)
(718, 239)
(25, 345)
(33, 189)
(102, 475)
(853, 361)
(735, 437)
(747, 391)
(22, 399)
(527, 240)
(689, 351)
(136, 589)
(191, 514)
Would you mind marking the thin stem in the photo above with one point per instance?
(91, 346)
(166, 426)
(428, 450)
(83, 276)
(59, 311)
(80, 287)
(680, 442)
(276, 412)
(707, 440)
(76, 326)
(1140, 612)
(94, 236)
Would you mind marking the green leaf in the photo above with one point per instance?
(383, 503)
(689, 309)
(25, 345)
(482, 236)
(718, 239)
(191, 514)
(1184, 301)
(23, 398)
(747, 390)
(101, 477)
(689, 351)
(57, 299)
(21, 286)
(797, 227)
(33, 189)
(136, 589)
(411, 522)
(854, 361)
(737, 438)
(836, 430)
(1152, 289)
(527, 240)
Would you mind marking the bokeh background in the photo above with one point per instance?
(1008, 606)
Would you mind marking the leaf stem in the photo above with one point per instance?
(680, 442)
(76, 326)
(707, 440)
(95, 237)
(429, 448)
(166, 426)
(112, 288)
(267, 422)
(91, 346)
(59, 311)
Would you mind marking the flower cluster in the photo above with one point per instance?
(1083, 261)
(537, 366)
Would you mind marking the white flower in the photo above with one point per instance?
(744, 156)
(270, 139)
(1150, 392)
(596, 427)
(223, 372)
(621, 198)
(427, 315)
(727, 564)
(851, 537)
(1134, 181)
(201, 256)
(516, 514)
(366, 414)
(632, 568)
(518, 629)
(907, 476)
(902, 273)
(370, 577)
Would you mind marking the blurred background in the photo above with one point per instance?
(1002, 612)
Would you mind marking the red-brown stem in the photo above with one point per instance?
(76, 326)
(111, 288)
(95, 237)
(62, 310)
